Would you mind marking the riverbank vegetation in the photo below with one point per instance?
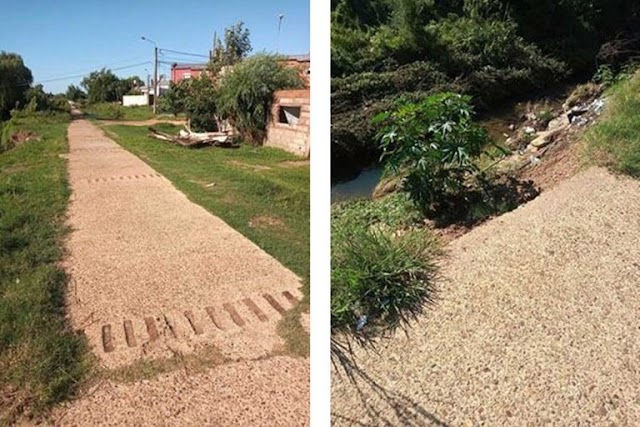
(614, 142)
(493, 50)
(408, 77)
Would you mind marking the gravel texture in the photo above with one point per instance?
(269, 393)
(140, 249)
(536, 323)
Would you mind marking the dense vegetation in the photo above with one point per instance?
(41, 359)
(236, 89)
(15, 80)
(383, 265)
(493, 50)
(615, 140)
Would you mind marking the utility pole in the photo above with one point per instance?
(155, 81)
(155, 73)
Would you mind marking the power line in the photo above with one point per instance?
(55, 79)
(184, 53)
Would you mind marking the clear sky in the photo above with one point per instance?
(72, 37)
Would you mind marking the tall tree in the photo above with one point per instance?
(15, 79)
(74, 93)
(236, 47)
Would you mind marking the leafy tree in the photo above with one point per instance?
(37, 99)
(102, 86)
(236, 47)
(245, 95)
(174, 99)
(201, 104)
(74, 93)
(15, 79)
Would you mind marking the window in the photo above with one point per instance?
(289, 115)
(186, 76)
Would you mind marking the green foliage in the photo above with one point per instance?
(245, 94)
(236, 47)
(75, 94)
(40, 356)
(173, 100)
(104, 86)
(115, 111)
(15, 79)
(493, 50)
(201, 103)
(614, 141)
(435, 143)
(37, 99)
(382, 271)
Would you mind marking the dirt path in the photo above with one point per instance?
(536, 323)
(154, 275)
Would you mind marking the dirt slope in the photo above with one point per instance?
(536, 323)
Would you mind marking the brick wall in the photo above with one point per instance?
(290, 137)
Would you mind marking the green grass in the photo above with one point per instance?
(41, 360)
(614, 141)
(383, 265)
(251, 189)
(114, 111)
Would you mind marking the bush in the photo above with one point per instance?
(435, 143)
(245, 94)
(381, 274)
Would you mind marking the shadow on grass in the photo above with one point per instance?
(405, 409)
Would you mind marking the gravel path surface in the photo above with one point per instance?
(154, 275)
(537, 323)
(266, 393)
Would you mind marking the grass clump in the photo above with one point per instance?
(41, 359)
(614, 141)
(115, 111)
(383, 265)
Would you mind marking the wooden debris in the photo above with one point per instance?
(187, 138)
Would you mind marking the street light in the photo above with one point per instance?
(155, 73)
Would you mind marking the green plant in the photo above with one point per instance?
(379, 280)
(15, 79)
(41, 358)
(245, 94)
(236, 47)
(434, 142)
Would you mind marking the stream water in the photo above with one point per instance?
(361, 186)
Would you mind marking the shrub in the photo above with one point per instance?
(435, 143)
(379, 278)
(245, 94)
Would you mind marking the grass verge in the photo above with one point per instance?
(614, 141)
(41, 359)
(254, 190)
(114, 111)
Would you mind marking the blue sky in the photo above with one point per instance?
(72, 37)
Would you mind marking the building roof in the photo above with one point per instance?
(300, 58)
(193, 66)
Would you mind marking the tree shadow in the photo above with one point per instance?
(406, 410)
(489, 196)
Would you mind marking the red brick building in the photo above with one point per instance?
(186, 71)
